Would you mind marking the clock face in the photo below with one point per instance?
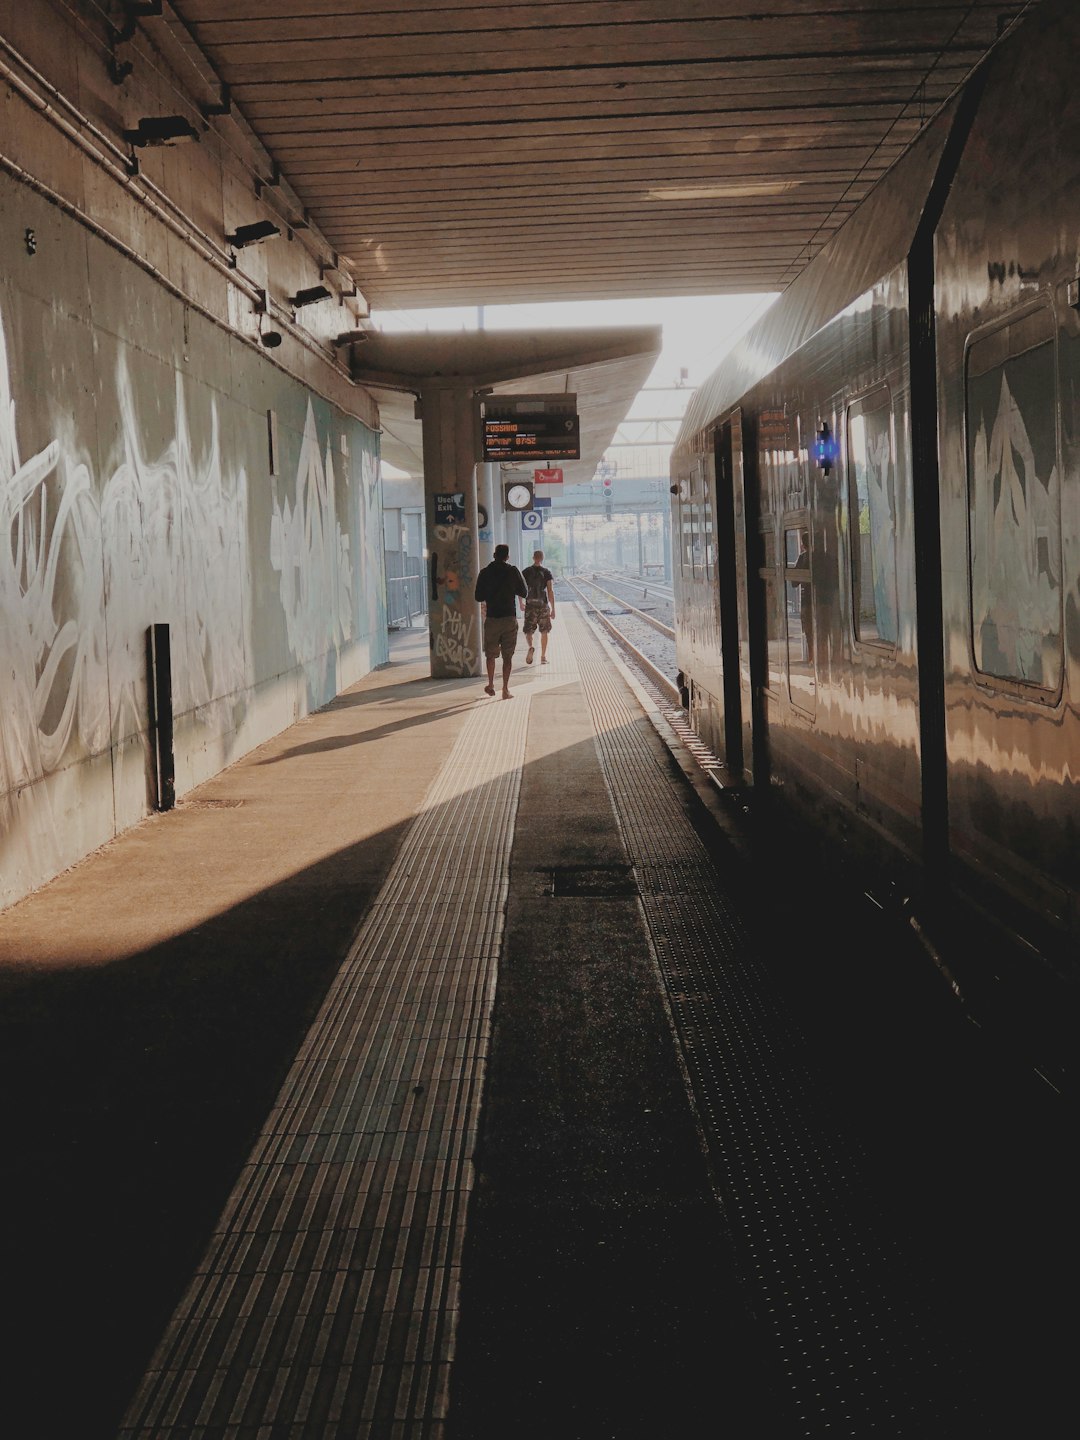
(518, 497)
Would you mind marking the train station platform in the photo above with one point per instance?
(455, 1067)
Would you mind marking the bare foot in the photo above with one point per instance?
(506, 695)
(489, 689)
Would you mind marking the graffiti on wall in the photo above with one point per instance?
(86, 566)
(84, 569)
(375, 591)
(310, 551)
(175, 537)
(48, 664)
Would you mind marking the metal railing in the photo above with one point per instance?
(404, 600)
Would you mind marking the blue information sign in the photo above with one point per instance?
(450, 509)
(532, 520)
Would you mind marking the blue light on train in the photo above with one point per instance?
(826, 448)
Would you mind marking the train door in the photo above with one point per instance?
(750, 598)
(682, 567)
(729, 586)
(697, 645)
(799, 612)
(754, 552)
(782, 487)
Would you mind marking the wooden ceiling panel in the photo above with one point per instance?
(488, 152)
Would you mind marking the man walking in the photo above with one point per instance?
(498, 587)
(539, 605)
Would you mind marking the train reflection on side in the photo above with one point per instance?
(876, 511)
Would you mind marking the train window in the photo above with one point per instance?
(1014, 502)
(799, 616)
(686, 548)
(695, 540)
(872, 501)
(708, 538)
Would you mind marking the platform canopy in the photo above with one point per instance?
(605, 369)
(458, 153)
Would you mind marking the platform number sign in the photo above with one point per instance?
(532, 520)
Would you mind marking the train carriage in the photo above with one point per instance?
(876, 500)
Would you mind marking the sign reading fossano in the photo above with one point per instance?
(529, 427)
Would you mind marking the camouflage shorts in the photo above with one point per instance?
(537, 617)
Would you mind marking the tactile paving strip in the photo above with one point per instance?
(326, 1303)
(818, 1266)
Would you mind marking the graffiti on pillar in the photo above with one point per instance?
(453, 644)
(453, 638)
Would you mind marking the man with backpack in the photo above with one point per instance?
(498, 588)
(539, 605)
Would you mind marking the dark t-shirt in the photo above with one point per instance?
(537, 578)
(500, 584)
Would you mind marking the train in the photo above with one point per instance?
(876, 547)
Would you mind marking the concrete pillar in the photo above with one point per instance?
(452, 552)
(490, 500)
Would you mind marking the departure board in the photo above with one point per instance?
(529, 427)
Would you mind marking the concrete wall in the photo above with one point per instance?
(139, 484)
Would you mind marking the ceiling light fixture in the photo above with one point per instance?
(253, 234)
(309, 296)
(737, 190)
(161, 130)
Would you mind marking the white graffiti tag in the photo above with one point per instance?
(310, 551)
(47, 648)
(160, 540)
(454, 641)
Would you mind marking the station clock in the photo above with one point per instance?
(518, 495)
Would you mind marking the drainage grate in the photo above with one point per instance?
(604, 882)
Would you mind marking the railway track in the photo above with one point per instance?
(621, 602)
(647, 643)
(652, 659)
(652, 583)
(650, 596)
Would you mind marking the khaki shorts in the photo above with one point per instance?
(500, 636)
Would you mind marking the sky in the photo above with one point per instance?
(698, 329)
